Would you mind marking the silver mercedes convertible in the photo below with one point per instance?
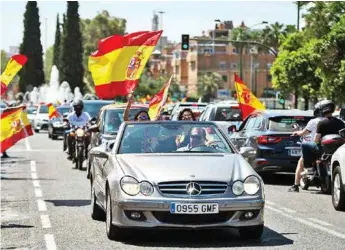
(181, 175)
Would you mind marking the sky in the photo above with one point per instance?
(180, 17)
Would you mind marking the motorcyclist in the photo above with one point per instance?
(310, 129)
(330, 125)
(78, 118)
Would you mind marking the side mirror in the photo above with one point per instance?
(232, 129)
(342, 133)
(247, 151)
(94, 128)
(101, 154)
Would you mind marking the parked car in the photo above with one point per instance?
(41, 119)
(196, 107)
(141, 183)
(30, 110)
(269, 132)
(107, 125)
(338, 177)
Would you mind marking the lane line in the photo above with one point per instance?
(288, 210)
(323, 223)
(27, 144)
(50, 241)
(34, 176)
(45, 221)
(308, 223)
(38, 193)
(36, 183)
(41, 205)
(271, 203)
(33, 166)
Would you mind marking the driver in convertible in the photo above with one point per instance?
(197, 139)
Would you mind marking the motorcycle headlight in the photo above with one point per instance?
(130, 185)
(80, 132)
(146, 188)
(237, 188)
(251, 185)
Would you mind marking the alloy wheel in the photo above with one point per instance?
(336, 188)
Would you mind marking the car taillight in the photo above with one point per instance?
(268, 139)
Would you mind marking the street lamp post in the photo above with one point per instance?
(161, 27)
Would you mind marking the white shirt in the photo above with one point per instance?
(79, 121)
(312, 127)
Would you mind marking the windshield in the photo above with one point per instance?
(94, 108)
(288, 123)
(63, 110)
(173, 138)
(228, 114)
(43, 109)
(114, 118)
(30, 111)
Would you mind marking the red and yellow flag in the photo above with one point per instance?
(119, 61)
(52, 111)
(13, 66)
(158, 101)
(248, 102)
(15, 126)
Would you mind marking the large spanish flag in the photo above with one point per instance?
(158, 101)
(15, 126)
(13, 66)
(52, 111)
(119, 61)
(247, 100)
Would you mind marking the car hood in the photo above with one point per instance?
(42, 116)
(185, 167)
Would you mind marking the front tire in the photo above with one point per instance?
(113, 232)
(251, 233)
(338, 192)
(97, 213)
(326, 187)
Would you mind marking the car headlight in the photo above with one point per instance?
(146, 188)
(57, 124)
(130, 185)
(237, 188)
(251, 185)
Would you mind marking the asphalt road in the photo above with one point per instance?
(45, 204)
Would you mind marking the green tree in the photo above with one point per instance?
(32, 73)
(208, 84)
(48, 62)
(4, 60)
(93, 30)
(71, 67)
(56, 54)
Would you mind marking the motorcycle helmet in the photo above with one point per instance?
(78, 104)
(326, 107)
(317, 112)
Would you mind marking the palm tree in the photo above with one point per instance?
(271, 35)
(208, 84)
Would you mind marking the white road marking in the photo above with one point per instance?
(34, 176)
(38, 192)
(41, 205)
(36, 183)
(288, 210)
(27, 144)
(321, 222)
(270, 203)
(308, 223)
(50, 241)
(45, 221)
(33, 166)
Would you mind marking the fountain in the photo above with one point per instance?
(34, 96)
(77, 94)
(53, 87)
(65, 92)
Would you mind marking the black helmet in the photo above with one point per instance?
(326, 107)
(317, 110)
(79, 103)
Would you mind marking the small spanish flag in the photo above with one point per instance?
(248, 102)
(15, 126)
(119, 61)
(52, 111)
(158, 101)
(13, 66)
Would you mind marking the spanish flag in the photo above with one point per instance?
(14, 65)
(52, 111)
(119, 61)
(158, 101)
(15, 126)
(248, 102)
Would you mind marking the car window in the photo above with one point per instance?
(228, 114)
(259, 122)
(63, 110)
(30, 111)
(161, 138)
(43, 109)
(94, 108)
(286, 123)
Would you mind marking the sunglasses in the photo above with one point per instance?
(144, 117)
(199, 137)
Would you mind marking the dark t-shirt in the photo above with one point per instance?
(330, 125)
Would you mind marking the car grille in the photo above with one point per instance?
(192, 219)
(179, 188)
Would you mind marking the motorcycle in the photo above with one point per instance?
(80, 141)
(319, 174)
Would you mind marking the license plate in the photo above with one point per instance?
(190, 208)
(295, 152)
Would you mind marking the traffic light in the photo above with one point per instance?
(281, 99)
(185, 42)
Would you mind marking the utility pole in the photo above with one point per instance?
(45, 36)
(161, 27)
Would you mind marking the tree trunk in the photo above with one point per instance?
(306, 102)
(296, 98)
